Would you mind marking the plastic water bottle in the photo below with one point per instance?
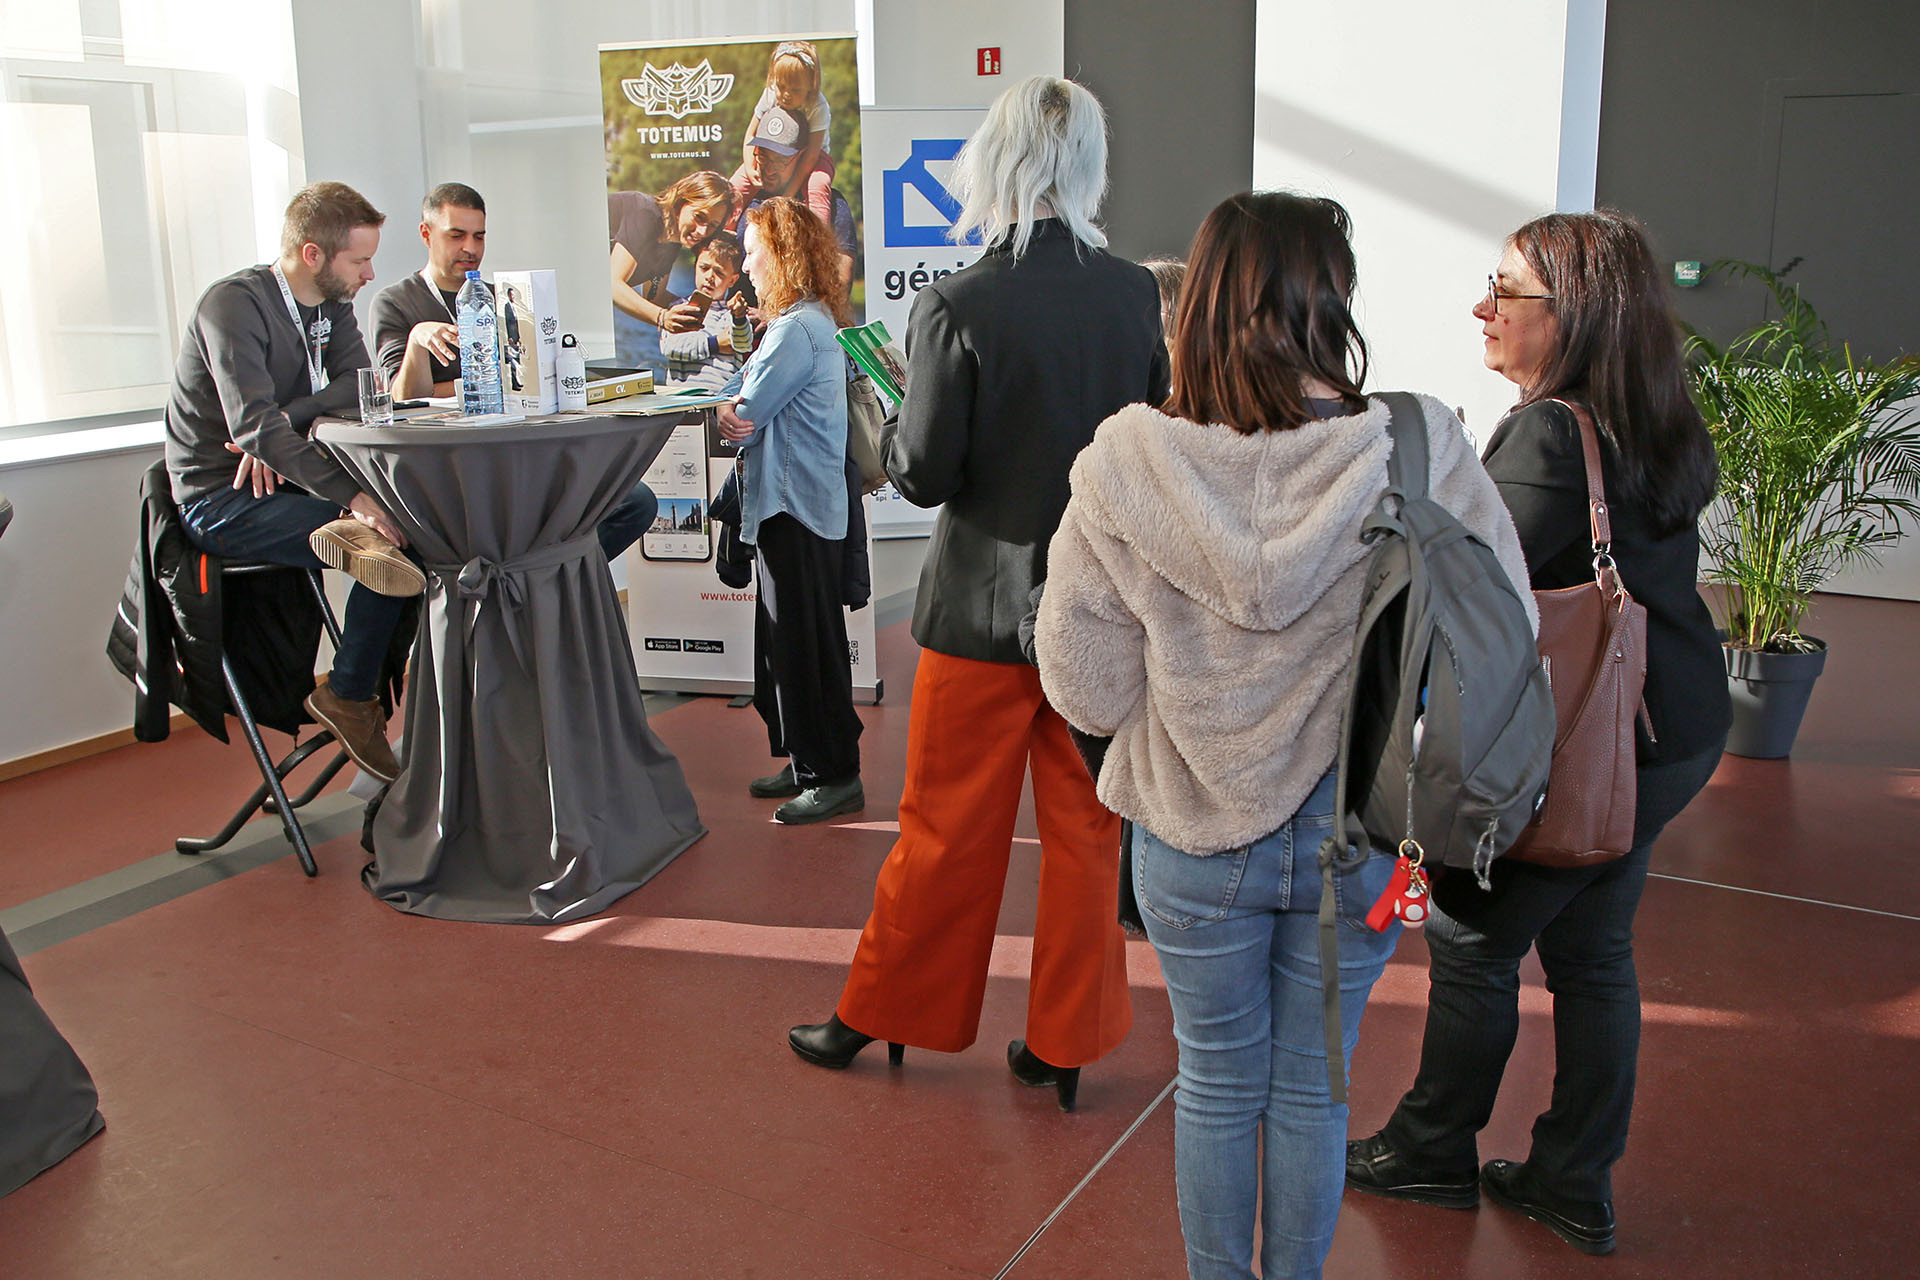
(479, 348)
(571, 368)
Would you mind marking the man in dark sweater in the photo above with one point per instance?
(268, 350)
(417, 339)
(415, 336)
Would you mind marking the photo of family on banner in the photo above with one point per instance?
(697, 136)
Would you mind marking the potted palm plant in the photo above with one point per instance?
(1819, 471)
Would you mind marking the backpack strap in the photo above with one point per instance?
(1407, 479)
(1408, 465)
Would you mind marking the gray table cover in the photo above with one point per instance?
(531, 788)
(48, 1106)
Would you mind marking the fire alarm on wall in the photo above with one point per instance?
(989, 62)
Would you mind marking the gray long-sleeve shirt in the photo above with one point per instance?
(242, 376)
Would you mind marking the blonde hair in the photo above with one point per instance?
(1044, 143)
(802, 257)
(795, 67)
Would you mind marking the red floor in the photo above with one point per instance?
(299, 1082)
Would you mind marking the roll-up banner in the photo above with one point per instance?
(696, 135)
(910, 153)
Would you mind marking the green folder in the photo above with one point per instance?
(866, 344)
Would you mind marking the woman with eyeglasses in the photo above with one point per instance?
(1577, 318)
(1202, 598)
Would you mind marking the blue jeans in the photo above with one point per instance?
(1238, 942)
(235, 525)
(627, 521)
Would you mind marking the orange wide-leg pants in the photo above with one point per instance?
(920, 973)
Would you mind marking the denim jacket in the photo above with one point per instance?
(794, 390)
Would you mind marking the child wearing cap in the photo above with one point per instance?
(793, 84)
(709, 355)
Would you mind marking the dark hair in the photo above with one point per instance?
(1264, 307)
(1618, 352)
(457, 194)
(727, 246)
(324, 214)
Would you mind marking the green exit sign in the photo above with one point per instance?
(1686, 275)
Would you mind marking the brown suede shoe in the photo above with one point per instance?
(367, 558)
(360, 727)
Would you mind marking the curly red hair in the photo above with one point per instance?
(803, 259)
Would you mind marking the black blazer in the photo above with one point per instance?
(1010, 367)
(1534, 458)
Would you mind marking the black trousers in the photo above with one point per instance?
(802, 680)
(1581, 920)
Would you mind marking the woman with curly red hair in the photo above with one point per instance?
(790, 420)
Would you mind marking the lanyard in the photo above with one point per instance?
(323, 327)
(434, 289)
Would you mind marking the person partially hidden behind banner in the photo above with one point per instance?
(790, 421)
(417, 341)
(268, 350)
(1011, 364)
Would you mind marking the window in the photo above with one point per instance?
(148, 147)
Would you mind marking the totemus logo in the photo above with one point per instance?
(679, 91)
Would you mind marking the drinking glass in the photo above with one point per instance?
(376, 398)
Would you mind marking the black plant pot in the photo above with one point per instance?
(1770, 692)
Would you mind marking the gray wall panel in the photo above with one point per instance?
(1177, 82)
(1693, 103)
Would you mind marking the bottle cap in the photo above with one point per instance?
(473, 275)
(568, 340)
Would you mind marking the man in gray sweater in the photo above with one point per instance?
(415, 336)
(268, 350)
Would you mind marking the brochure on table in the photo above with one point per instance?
(909, 155)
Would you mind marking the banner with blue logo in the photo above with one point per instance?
(909, 153)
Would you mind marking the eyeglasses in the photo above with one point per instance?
(1495, 295)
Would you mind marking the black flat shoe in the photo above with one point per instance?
(1587, 1225)
(1030, 1069)
(835, 1044)
(1379, 1170)
(775, 786)
(817, 804)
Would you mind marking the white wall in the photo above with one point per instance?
(63, 562)
(1440, 127)
(925, 54)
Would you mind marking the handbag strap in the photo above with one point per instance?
(1599, 519)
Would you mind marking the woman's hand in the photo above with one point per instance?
(732, 425)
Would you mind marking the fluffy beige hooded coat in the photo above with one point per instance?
(1202, 595)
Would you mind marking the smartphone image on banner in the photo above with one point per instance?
(682, 528)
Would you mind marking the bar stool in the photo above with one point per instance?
(271, 795)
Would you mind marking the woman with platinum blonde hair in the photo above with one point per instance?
(1041, 153)
(1011, 363)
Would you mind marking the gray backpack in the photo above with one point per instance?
(1448, 732)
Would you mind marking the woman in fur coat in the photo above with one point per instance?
(1202, 597)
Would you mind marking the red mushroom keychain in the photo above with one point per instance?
(1405, 898)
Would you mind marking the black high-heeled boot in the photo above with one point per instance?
(835, 1044)
(1031, 1069)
